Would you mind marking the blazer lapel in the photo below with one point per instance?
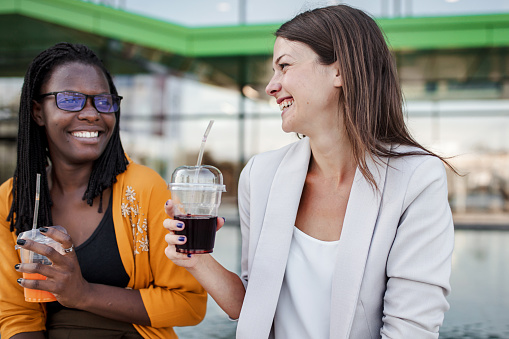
(269, 262)
(358, 226)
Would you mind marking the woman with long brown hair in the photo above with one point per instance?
(346, 233)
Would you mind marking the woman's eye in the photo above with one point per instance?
(283, 66)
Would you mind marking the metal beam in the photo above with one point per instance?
(402, 33)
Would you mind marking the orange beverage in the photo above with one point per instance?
(37, 296)
(27, 256)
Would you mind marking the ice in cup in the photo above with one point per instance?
(27, 256)
(196, 195)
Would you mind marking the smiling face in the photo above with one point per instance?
(74, 137)
(306, 91)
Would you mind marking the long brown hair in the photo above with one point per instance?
(370, 99)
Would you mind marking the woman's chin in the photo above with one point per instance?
(287, 128)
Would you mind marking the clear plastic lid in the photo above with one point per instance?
(199, 178)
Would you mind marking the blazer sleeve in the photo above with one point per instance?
(419, 262)
(16, 315)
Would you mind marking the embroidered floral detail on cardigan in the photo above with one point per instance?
(131, 210)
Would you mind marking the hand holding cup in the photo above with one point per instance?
(196, 195)
(56, 266)
(181, 259)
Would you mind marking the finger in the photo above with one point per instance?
(173, 225)
(59, 234)
(36, 247)
(45, 270)
(168, 208)
(175, 239)
(175, 256)
(34, 284)
(220, 223)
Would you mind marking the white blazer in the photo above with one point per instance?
(393, 267)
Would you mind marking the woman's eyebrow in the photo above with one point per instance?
(279, 58)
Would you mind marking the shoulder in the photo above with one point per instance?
(140, 173)
(6, 188)
(5, 198)
(412, 162)
(141, 178)
(415, 174)
(140, 189)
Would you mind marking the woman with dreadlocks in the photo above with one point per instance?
(113, 280)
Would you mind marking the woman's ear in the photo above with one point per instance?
(338, 80)
(37, 113)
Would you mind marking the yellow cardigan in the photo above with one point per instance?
(171, 295)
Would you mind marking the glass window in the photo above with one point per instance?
(474, 135)
(457, 7)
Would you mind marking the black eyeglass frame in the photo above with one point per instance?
(113, 97)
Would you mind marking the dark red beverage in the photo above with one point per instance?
(200, 231)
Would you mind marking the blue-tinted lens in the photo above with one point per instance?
(70, 101)
(106, 103)
(75, 101)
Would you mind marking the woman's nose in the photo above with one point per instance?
(273, 87)
(89, 111)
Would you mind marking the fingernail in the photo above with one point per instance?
(180, 225)
(43, 229)
(189, 255)
(224, 219)
(16, 266)
(167, 202)
(182, 238)
(21, 242)
(19, 281)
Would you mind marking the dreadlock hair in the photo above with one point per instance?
(33, 154)
(370, 99)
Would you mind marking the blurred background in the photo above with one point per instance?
(179, 64)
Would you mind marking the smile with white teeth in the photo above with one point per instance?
(285, 104)
(86, 134)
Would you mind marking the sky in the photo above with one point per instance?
(226, 12)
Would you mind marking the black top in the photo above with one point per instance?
(99, 257)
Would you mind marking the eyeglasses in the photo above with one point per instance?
(75, 101)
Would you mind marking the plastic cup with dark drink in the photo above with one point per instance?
(196, 194)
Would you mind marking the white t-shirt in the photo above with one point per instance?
(303, 309)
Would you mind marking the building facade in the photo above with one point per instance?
(453, 64)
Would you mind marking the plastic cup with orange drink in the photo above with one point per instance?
(28, 256)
